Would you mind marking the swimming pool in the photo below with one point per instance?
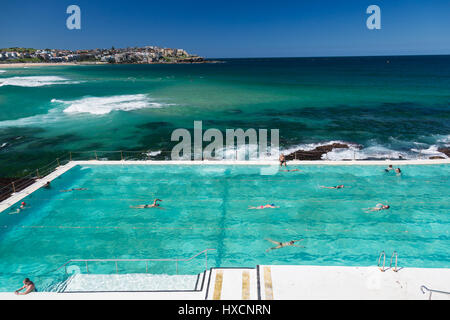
(207, 207)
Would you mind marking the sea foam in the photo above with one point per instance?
(35, 81)
(105, 105)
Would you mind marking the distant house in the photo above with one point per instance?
(56, 59)
(107, 59)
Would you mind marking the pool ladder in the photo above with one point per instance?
(383, 268)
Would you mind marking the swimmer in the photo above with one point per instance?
(290, 170)
(389, 168)
(28, 285)
(272, 206)
(284, 244)
(146, 206)
(398, 171)
(282, 160)
(341, 186)
(22, 206)
(76, 189)
(378, 207)
(47, 185)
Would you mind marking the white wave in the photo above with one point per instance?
(53, 115)
(35, 81)
(153, 153)
(3, 145)
(431, 151)
(2, 71)
(97, 106)
(250, 152)
(444, 139)
(373, 152)
(105, 105)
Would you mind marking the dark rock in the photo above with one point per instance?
(445, 151)
(436, 157)
(316, 154)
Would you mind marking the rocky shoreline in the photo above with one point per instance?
(445, 151)
(318, 152)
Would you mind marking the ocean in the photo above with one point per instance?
(391, 106)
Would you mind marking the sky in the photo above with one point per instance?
(227, 29)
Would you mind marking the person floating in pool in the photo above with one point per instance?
(389, 168)
(28, 285)
(155, 204)
(271, 206)
(341, 186)
(283, 244)
(76, 189)
(22, 206)
(378, 207)
(398, 171)
(47, 185)
(290, 170)
(282, 160)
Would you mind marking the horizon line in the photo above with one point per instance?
(337, 56)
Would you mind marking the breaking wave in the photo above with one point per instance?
(105, 105)
(90, 105)
(354, 152)
(35, 81)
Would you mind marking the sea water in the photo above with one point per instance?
(392, 106)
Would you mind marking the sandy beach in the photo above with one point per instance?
(50, 64)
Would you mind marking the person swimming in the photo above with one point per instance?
(155, 204)
(47, 185)
(398, 171)
(22, 206)
(389, 168)
(378, 207)
(290, 170)
(76, 189)
(341, 186)
(28, 285)
(283, 244)
(272, 206)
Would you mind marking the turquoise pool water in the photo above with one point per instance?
(207, 207)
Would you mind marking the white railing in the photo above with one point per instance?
(423, 289)
(116, 261)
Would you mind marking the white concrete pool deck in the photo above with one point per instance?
(290, 283)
